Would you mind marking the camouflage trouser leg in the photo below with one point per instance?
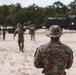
(21, 45)
(32, 37)
(3, 36)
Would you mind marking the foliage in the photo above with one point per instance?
(12, 14)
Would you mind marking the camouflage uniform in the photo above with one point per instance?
(20, 32)
(32, 32)
(54, 57)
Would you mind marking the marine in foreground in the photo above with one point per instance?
(54, 57)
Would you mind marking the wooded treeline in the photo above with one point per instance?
(12, 14)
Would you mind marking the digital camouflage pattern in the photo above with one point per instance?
(54, 31)
(54, 57)
(20, 32)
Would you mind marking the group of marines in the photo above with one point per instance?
(54, 57)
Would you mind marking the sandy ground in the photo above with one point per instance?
(14, 62)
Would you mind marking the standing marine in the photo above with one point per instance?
(54, 57)
(32, 32)
(20, 32)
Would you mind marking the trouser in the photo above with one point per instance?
(33, 36)
(21, 44)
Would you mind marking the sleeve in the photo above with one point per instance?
(16, 31)
(38, 59)
(70, 61)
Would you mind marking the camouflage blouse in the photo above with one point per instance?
(54, 57)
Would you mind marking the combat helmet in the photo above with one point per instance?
(54, 31)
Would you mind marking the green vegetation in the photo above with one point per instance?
(12, 14)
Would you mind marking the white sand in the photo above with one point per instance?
(14, 62)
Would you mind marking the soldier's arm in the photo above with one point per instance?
(70, 61)
(37, 59)
(16, 31)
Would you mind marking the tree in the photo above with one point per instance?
(72, 8)
(60, 8)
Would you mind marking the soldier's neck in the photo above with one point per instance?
(55, 39)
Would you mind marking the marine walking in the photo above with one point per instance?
(20, 32)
